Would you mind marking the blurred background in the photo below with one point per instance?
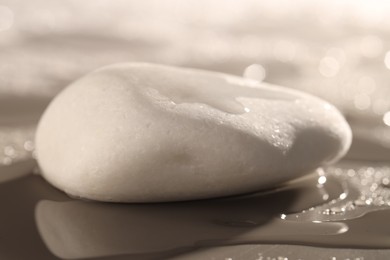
(338, 50)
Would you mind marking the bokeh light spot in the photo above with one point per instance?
(329, 66)
(255, 72)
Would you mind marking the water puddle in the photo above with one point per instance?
(344, 206)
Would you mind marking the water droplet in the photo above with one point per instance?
(351, 173)
(255, 72)
(359, 203)
(373, 187)
(337, 210)
(386, 182)
(343, 195)
(349, 206)
(322, 180)
(28, 145)
(9, 151)
(218, 91)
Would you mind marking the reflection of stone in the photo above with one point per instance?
(77, 229)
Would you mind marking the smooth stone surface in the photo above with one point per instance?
(140, 132)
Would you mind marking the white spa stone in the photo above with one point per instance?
(140, 132)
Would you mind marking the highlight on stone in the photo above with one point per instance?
(138, 132)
